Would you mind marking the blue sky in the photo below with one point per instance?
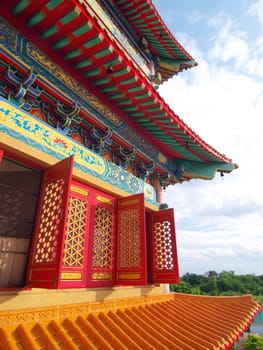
(219, 223)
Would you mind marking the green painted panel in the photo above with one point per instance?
(125, 6)
(103, 53)
(131, 108)
(125, 102)
(147, 103)
(83, 29)
(151, 128)
(73, 54)
(136, 114)
(116, 96)
(20, 6)
(143, 120)
(82, 64)
(52, 4)
(135, 88)
(128, 81)
(62, 43)
(93, 42)
(50, 31)
(143, 5)
(130, 12)
(155, 109)
(109, 88)
(162, 116)
(143, 26)
(120, 72)
(134, 16)
(92, 72)
(112, 62)
(137, 21)
(70, 16)
(146, 122)
(101, 81)
(37, 18)
(142, 96)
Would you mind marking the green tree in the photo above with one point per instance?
(193, 278)
(251, 284)
(228, 282)
(209, 286)
(182, 287)
(224, 283)
(254, 342)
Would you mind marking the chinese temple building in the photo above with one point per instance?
(87, 146)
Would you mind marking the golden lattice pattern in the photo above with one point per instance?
(163, 249)
(102, 242)
(129, 238)
(47, 235)
(75, 232)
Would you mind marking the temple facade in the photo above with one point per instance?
(87, 146)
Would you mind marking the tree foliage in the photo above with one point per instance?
(223, 283)
(254, 342)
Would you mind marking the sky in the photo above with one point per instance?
(219, 222)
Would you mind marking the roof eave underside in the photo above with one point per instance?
(147, 22)
(70, 36)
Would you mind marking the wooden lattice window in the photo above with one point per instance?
(129, 238)
(131, 241)
(48, 230)
(75, 232)
(102, 240)
(162, 247)
(45, 257)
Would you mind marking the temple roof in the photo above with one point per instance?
(167, 321)
(146, 21)
(75, 37)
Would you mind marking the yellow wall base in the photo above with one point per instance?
(14, 300)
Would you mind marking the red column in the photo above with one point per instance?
(159, 191)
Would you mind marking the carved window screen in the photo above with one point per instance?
(48, 230)
(162, 247)
(75, 233)
(44, 261)
(103, 238)
(101, 256)
(131, 241)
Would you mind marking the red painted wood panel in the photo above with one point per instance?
(1, 155)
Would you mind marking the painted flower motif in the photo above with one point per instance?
(60, 143)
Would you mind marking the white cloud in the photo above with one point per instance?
(220, 222)
(228, 42)
(256, 10)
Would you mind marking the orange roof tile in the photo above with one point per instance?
(168, 321)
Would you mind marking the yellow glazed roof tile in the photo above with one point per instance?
(168, 321)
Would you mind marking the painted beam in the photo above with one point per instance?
(200, 170)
